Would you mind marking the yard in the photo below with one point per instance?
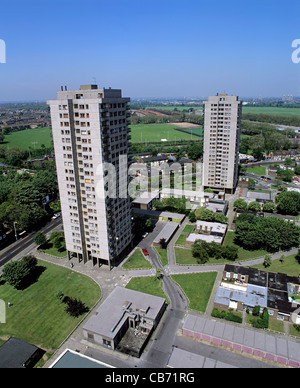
(36, 315)
(197, 287)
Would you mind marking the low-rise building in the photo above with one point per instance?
(244, 288)
(125, 321)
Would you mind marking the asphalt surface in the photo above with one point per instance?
(21, 245)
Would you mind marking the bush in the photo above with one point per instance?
(228, 316)
(16, 273)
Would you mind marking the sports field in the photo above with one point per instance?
(156, 132)
(272, 111)
(29, 138)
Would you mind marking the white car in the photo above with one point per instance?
(56, 216)
(145, 235)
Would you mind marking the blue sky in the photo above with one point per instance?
(165, 48)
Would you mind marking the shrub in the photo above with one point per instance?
(75, 307)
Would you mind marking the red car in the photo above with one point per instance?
(145, 252)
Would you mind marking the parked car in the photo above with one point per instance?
(145, 252)
(145, 235)
(56, 216)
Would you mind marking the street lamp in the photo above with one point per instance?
(16, 235)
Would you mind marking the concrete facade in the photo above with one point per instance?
(90, 135)
(222, 119)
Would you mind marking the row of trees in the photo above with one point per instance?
(268, 233)
(204, 214)
(287, 203)
(203, 250)
(15, 156)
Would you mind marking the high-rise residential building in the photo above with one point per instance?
(222, 126)
(91, 143)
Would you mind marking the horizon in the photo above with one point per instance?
(164, 50)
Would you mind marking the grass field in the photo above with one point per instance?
(272, 111)
(136, 261)
(289, 266)
(156, 132)
(29, 138)
(36, 315)
(147, 284)
(197, 287)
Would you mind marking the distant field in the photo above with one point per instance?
(272, 111)
(246, 109)
(156, 132)
(172, 107)
(33, 138)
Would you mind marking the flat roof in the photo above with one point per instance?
(167, 231)
(192, 237)
(15, 352)
(146, 197)
(113, 312)
(71, 359)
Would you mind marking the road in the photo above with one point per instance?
(21, 245)
(164, 337)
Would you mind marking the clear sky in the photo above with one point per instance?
(157, 48)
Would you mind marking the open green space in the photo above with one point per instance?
(136, 261)
(147, 284)
(29, 138)
(163, 255)
(276, 111)
(175, 108)
(259, 170)
(243, 254)
(37, 315)
(289, 266)
(197, 287)
(156, 132)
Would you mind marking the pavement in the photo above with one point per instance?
(161, 346)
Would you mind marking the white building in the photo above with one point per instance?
(90, 135)
(222, 118)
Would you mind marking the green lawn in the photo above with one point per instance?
(289, 266)
(29, 138)
(197, 288)
(147, 284)
(36, 315)
(163, 255)
(157, 132)
(51, 250)
(259, 170)
(136, 261)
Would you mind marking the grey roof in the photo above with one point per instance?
(15, 352)
(112, 313)
(167, 232)
(253, 296)
(256, 195)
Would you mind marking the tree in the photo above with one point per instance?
(40, 239)
(192, 217)
(240, 204)
(269, 207)
(199, 252)
(288, 202)
(220, 217)
(230, 253)
(15, 272)
(267, 261)
(254, 206)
